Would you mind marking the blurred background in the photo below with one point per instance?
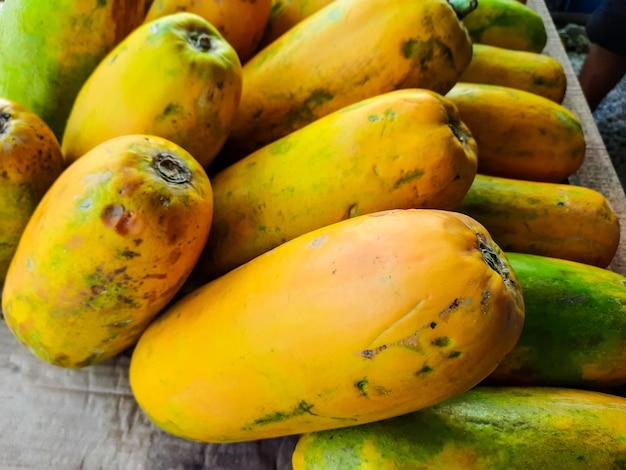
(569, 17)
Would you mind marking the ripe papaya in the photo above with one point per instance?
(519, 134)
(575, 329)
(175, 77)
(30, 161)
(108, 246)
(287, 13)
(513, 428)
(550, 219)
(49, 49)
(529, 71)
(240, 22)
(507, 23)
(398, 150)
(345, 52)
(361, 320)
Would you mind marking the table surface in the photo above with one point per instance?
(69, 419)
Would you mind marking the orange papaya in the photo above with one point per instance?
(513, 428)
(564, 221)
(108, 246)
(368, 318)
(520, 134)
(49, 49)
(311, 70)
(175, 77)
(398, 150)
(240, 22)
(30, 161)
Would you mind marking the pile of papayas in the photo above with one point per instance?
(347, 220)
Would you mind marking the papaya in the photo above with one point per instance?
(49, 49)
(175, 77)
(558, 220)
(361, 320)
(507, 23)
(529, 71)
(519, 134)
(398, 150)
(30, 161)
(108, 246)
(486, 428)
(574, 333)
(345, 52)
(240, 22)
(285, 14)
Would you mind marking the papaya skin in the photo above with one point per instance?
(507, 23)
(361, 320)
(240, 22)
(345, 52)
(54, 46)
(549, 219)
(567, 303)
(399, 150)
(109, 245)
(486, 428)
(529, 71)
(519, 134)
(175, 77)
(285, 14)
(30, 161)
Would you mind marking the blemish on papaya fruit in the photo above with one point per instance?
(4, 122)
(353, 211)
(485, 296)
(361, 385)
(129, 254)
(432, 325)
(455, 304)
(304, 113)
(200, 39)
(116, 217)
(318, 241)
(441, 342)
(424, 370)
(171, 168)
(454, 354)
(302, 408)
(420, 51)
(408, 177)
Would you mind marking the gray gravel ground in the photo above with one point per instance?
(610, 116)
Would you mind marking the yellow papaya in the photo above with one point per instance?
(345, 52)
(240, 22)
(175, 77)
(513, 428)
(108, 246)
(287, 13)
(519, 134)
(49, 49)
(398, 150)
(368, 318)
(550, 219)
(507, 23)
(529, 71)
(30, 161)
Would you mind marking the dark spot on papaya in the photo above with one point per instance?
(88, 361)
(121, 323)
(155, 276)
(172, 108)
(408, 177)
(97, 290)
(171, 168)
(441, 342)
(62, 360)
(433, 324)
(4, 122)
(454, 354)
(116, 217)
(304, 113)
(174, 257)
(370, 353)
(560, 203)
(361, 385)
(424, 370)
(200, 39)
(4, 174)
(456, 177)
(127, 300)
(302, 408)
(485, 296)
(101, 3)
(129, 254)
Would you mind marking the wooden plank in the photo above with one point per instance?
(58, 419)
